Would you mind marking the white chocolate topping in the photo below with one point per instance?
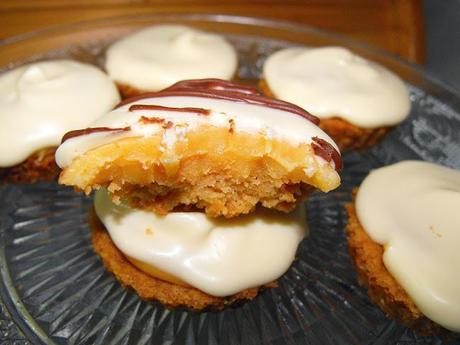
(218, 256)
(249, 118)
(42, 101)
(334, 82)
(412, 209)
(159, 56)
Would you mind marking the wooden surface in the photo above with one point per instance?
(395, 25)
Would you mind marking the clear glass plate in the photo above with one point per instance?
(56, 290)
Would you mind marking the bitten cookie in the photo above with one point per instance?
(215, 145)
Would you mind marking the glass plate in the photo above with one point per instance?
(56, 290)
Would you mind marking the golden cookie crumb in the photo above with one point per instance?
(40, 166)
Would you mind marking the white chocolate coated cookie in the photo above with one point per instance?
(217, 256)
(159, 56)
(412, 209)
(42, 101)
(334, 82)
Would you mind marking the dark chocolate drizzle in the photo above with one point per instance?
(224, 90)
(326, 151)
(199, 111)
(79, 132)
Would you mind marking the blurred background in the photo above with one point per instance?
(442, 22)
(426, 32)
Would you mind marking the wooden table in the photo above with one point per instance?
(395, 25)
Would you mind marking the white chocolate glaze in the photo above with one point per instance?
(246, 117)
(42, 101)
(159, 56)
(412, 208)
(218, 256)
(334, 82)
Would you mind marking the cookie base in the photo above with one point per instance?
(40, 166)
(383, 289)
(152, 289)
(350, 137)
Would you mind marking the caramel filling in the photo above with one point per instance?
(156, 272)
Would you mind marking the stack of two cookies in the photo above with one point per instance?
(199, 189)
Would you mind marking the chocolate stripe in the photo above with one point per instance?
(79, 132)
(200, 111)
(326, 151)
(225, 90)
